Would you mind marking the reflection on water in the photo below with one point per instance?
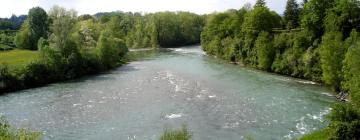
(168, 88)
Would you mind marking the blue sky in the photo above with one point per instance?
(17, 7)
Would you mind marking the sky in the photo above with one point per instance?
(19, 7)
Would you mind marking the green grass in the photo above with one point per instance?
(322, 134)
(18, 58)
(181, 134)
(9, 133)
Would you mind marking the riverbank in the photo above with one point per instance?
(165, 89)
(19, 73)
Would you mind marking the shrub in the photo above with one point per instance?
(9, 133)
(182, 134)
(345, 122)
(35, 74)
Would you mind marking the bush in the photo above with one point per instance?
(9, 133)
(35, 74)
(182, 134)
(265, 51)
(7, 80)
(345, 122)
(332, 54)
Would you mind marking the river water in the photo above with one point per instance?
(168, 89)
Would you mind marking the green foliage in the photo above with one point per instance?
(265, 51)
(332, 54)
(322, 134)
(38, 25)
(9, 133)
(343, 16)
(165, 29)
(108, 49)
(291, 14)
(345, 122)
(176, 29)
(35, 27)
(22, 38)
(260, 19)
(74, 48)
(313, 16)
(260, 3)
(351, 68)
(7, 80)
(220, 35)
(35, 71)
(182, 134)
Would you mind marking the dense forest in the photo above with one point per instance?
(70, 46)
(317, 40)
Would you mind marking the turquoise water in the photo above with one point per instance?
(168, 88)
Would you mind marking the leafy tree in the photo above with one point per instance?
(260, 3)
(63, 22)
(351, 68)
(291, 14)
(260, 19)
(313, 16)
(22, 38)
(343, 16)
(265, 51)
(331, 55)
(38, 25)
(345, 124)
(108, 52)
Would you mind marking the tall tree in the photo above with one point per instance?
(291, 14)
(332, 54)
(260, 3)
(38, 24)
(264, 50)
(313, 16)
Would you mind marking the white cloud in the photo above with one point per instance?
(18, 7)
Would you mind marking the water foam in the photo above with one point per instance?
(174, 116)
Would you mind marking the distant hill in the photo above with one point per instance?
(12, 23)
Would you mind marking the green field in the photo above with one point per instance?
(18, 58)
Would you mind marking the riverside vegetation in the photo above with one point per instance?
(65, 46)
(316, 40)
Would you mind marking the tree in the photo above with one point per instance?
(351, 68)
(62, 54)
(343, 16)
(265, 51)
(260, 19)
(23, 36)
(260, 3)
(38, 24)
(331, 56)
(107, 51)
(313, 16)
(291, 14)
(63, 22)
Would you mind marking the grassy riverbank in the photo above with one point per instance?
(322, 134)
(8, 132)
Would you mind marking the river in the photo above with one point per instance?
(167, 88)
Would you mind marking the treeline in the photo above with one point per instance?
(12, 23)
(72, 46)
(162, 29)
(69, 48)
(316, 40)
